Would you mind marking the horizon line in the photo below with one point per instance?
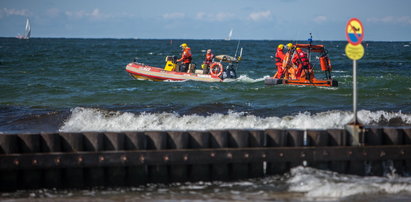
(136, 38)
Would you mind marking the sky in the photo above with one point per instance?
(383, 20)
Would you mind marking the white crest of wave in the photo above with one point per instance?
(326, 184)
(245, 79)
(90, 119)
(368, 117)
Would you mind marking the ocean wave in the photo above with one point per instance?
(320, 184)
(246, 79)
(91, 119)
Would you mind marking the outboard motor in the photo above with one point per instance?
(229, 72)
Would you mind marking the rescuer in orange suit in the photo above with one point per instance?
(301, 60)
(185, 57)
(279, 58)
(207, 62)
(289, 70)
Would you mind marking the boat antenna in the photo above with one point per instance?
(236, 51)
(310, 40)
(238, 59)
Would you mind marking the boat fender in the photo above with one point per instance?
(325, 63)
(216, 69)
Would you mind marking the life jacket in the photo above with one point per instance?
(209, 58)
(304, 59)
(301, 58)
(279, 57)
(186, 55)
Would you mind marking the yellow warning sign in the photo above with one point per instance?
(354, 52)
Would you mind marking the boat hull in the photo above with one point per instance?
(144, 72)
(304, 82)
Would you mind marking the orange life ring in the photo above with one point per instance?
(216, 71)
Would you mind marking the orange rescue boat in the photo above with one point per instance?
(309, 80)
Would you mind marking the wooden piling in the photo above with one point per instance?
(138, 174)
(116, 175)
(50, 142)
(239, 139)
(30, 178)
(394, 136)
(276, 138)
(157, 140)
(374, 137)
(79, 160)
(178, 140)
(199, 140)
(317, 138)
(73, 177)
(9, 177)
(219, 139)
(257, 138)
(338, 138)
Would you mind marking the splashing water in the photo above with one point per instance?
(319, 184)
(90, 119)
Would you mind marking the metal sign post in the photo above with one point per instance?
(354, 91)
(354, 50)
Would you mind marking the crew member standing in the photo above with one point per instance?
(301, 60)
(185, 57)
(290, 47)
(207, 62)
(289, 71)
(279, 58)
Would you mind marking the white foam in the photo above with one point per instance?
(90, 119)
(339, 71)
(378, 116)
(246, 79)
(320, 184)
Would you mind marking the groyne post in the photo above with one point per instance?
(78, 160)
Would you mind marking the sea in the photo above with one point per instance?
(78, 85)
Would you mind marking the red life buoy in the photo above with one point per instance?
(216, 69)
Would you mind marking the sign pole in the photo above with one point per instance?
(354, 84)
(354, 31)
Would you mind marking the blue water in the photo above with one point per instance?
(81, 85)
(45, 82)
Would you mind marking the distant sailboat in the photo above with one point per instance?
(229, 35)
(27, 31)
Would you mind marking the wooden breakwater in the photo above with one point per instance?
(78, 160)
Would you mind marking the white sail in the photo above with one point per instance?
(27, 31)
(230, 34)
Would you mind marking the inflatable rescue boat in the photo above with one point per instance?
(217, 71)
(306, 77)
